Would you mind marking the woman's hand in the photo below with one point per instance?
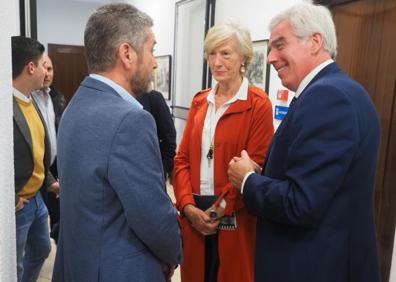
(219, 212)
(200, 220)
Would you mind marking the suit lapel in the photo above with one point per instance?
(22, 124)
(331, 68)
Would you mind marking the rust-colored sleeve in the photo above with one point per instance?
(260, 135)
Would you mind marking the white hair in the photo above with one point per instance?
(230, 29)
(307, 19)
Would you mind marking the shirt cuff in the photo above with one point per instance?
(223, 204)
(244, 180)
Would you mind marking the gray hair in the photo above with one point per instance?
(308, 19)
(107, 28)
(221, 33)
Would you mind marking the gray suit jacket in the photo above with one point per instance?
(23, 151)
(117, 222)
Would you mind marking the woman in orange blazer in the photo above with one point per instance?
(219, 242)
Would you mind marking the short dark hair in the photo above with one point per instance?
(107, 28)
(24, 50)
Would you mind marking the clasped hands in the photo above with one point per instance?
(201, 220)
(239, 167)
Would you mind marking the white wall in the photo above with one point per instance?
(9, 25)
(163, 14)
(392, 277)
(63, 21)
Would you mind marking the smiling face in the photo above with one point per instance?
(291, 56)
(225, 62)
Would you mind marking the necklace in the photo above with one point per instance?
(212, 124)
(210, 153)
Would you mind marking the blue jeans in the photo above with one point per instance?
(32, 238)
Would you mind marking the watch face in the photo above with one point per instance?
(213, 214)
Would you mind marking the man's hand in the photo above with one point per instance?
(21, 203)
(239, 167)
(54, 188)
(200, 220)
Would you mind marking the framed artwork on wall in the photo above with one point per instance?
(258, 71)
(162, 76)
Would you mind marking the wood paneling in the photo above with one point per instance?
(70, 67)
(366, 51)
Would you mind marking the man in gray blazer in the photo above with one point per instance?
(117, 222)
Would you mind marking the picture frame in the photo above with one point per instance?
(258, 71)
(162, 76)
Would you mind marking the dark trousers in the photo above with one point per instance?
(52, 203)
(211, 258)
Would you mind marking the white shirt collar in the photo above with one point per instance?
(240, 95)
(118, 88)
(42, 92)
(307, 79)
(18, 94)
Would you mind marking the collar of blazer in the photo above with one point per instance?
(98, 85)
(331, 68)
(20, 121)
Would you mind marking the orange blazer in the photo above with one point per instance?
(245, 125)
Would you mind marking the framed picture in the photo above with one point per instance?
(162, 76)
(258, 72)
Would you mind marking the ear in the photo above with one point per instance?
(317, 42)
(30, 67)
(127, 55)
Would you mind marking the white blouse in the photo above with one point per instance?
(208, 135)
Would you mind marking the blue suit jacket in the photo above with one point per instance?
(117, 222)
(315, 200)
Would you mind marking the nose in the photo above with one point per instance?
(215, 61)
(271, 58)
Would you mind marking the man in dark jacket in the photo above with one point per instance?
(155, 104)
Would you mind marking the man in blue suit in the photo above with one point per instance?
(314, 198)
(117, 222)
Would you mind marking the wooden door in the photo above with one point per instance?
(366, 51)
(70, 67)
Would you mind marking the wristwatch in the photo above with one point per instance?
(212, 213)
